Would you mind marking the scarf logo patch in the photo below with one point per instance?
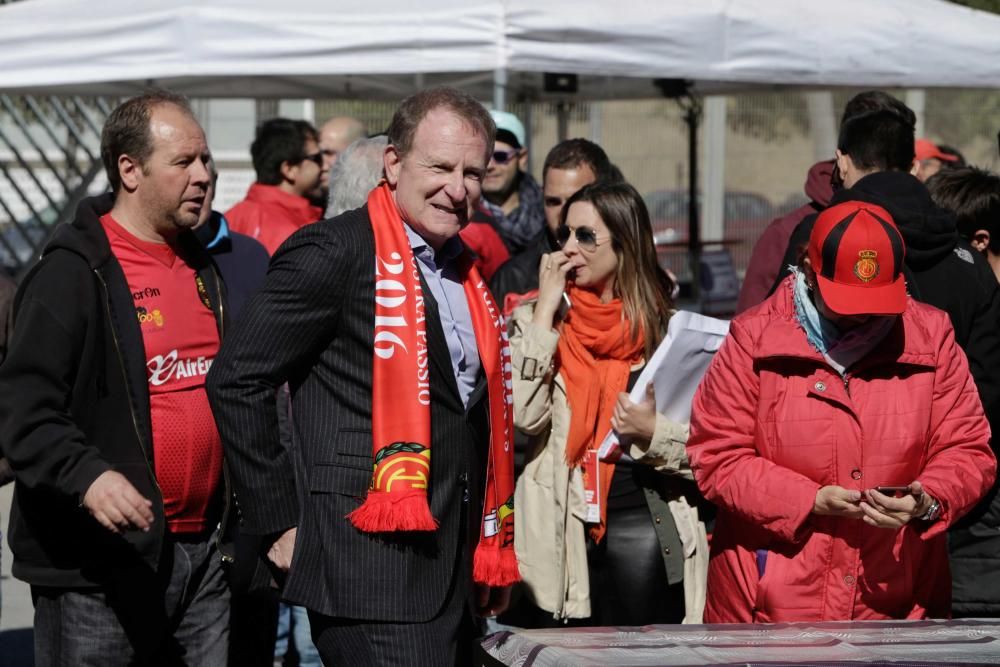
(866, 268)
(408, 463)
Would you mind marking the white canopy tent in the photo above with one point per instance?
(496, 49)
(337, 49)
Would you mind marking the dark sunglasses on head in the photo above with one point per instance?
(586, 237)
(503, 157)
(315, 157)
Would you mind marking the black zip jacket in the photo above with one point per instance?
(74, 402)
(519, 274)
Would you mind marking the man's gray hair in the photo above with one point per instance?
(354, 174)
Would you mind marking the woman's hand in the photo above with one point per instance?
(635, 420)
(551, 284)
(835, 500)
(887, 512)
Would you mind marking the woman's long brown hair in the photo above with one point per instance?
(640, 283)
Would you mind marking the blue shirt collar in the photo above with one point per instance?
(451, 249)
(221, 234)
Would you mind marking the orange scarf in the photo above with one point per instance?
(401, 414)
(596, 354)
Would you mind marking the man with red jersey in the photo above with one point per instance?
(103, 414)
(291, 183)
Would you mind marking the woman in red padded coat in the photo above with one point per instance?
(836, 385)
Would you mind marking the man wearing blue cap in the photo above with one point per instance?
(510, 194)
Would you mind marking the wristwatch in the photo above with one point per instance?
(933, 512)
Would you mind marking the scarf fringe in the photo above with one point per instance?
(385, 513)
(495, 566)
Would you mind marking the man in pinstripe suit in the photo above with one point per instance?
(373, 598)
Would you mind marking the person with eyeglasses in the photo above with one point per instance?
(569, 166)
(596, 541)
(510, 194)
(290, 191)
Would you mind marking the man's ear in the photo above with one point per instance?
(915, 168)
(289, 171)
(522, 161)
(130, 172)
(843, 163)
(392, 161)
(980, 240)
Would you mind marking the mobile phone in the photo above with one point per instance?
(893, 491)
(564, 305)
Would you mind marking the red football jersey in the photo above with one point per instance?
(181, 339)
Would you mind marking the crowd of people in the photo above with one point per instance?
(356, 418)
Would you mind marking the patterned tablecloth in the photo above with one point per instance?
(965, 642)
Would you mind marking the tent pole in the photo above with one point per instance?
(562, 121)
(692, 116)
(500, 89)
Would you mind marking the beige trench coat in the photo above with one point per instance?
(550, 533)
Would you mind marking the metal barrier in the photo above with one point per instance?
(49, 160)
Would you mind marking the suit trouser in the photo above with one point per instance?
(447, 639)
(178, 616)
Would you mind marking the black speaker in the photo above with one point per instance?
(560, 83)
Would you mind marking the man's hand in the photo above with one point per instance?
(885, 511)
(635, 420)
(837, 501)
(116, 504)
(280, 552)
(491, 601)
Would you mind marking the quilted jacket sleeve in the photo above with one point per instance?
(727, 466)
(960, 466)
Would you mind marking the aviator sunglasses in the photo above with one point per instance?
(315, 157)
(586, 237)
(503, 157)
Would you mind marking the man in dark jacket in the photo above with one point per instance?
(376, 594)
(973, 195)
(510, 193)
(569, 166)
(875, 155)
(103, 414)
(241, 260)
(765, 261)
(253, 618)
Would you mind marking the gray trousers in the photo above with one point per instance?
(178, 616)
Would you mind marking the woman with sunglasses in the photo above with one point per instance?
(596, 540)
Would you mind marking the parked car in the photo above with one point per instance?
(744, 214)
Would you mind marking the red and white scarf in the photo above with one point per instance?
(401, 398)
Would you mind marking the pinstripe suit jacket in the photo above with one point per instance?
(312, 325)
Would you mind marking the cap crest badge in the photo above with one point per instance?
(866, 268)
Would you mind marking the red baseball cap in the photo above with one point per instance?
(926, 149)
(857, 253)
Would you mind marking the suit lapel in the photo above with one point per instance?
(478, 392)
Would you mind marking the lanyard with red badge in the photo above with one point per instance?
(592, 486)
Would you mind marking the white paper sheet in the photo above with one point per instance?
(676, 369)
